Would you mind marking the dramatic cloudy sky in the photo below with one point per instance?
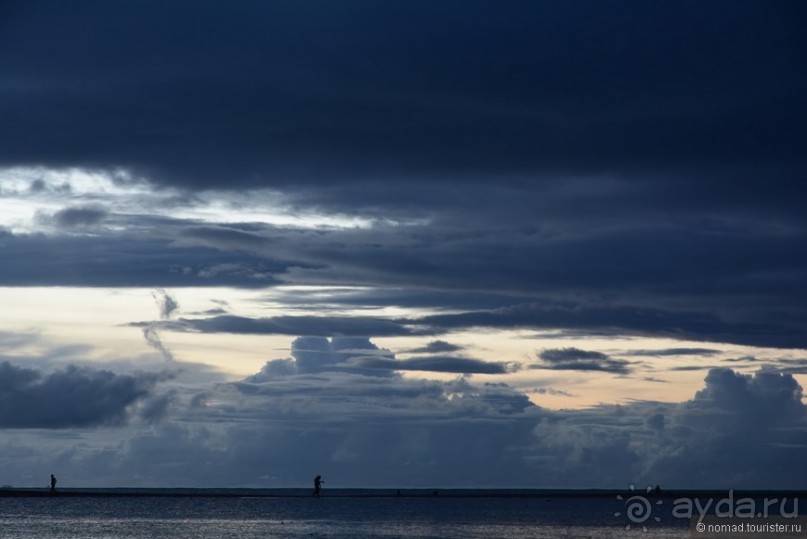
(398, 244)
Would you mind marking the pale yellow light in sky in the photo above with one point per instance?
(101, 318)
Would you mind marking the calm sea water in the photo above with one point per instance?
(303, 517)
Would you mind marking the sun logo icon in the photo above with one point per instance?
(638, 509)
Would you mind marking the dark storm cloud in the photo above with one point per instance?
(739, 285)
(315, 91)
(73, 397)
(574, 359)
(725, 287)
(567, 255)
(645, 161)
(616, 319)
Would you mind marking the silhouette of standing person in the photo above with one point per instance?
(317, 485)
(53, 483)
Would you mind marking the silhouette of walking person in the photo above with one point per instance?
(317, 485)
(53, 483)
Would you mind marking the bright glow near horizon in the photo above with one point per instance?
(99, 320)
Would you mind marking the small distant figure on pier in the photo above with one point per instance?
(317, 485)
(53, 483)
(657, 490)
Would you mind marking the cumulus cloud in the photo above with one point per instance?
(768, 397)
(156, 408)
(72, 397)
(313, 354)
(605, 446)
(507, 437)
(738, 431)
(360, 356)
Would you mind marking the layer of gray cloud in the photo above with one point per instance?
(354, 88)
(73, 397)
(138, 258)
(436, 347)
(738, 431)
(493, 178)
(437, 363)
(603, 319)
(575, 359)
(293, 325)
(661, 352)
(650, 301)
(79, 216)
(752, 311)
(366, 427)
